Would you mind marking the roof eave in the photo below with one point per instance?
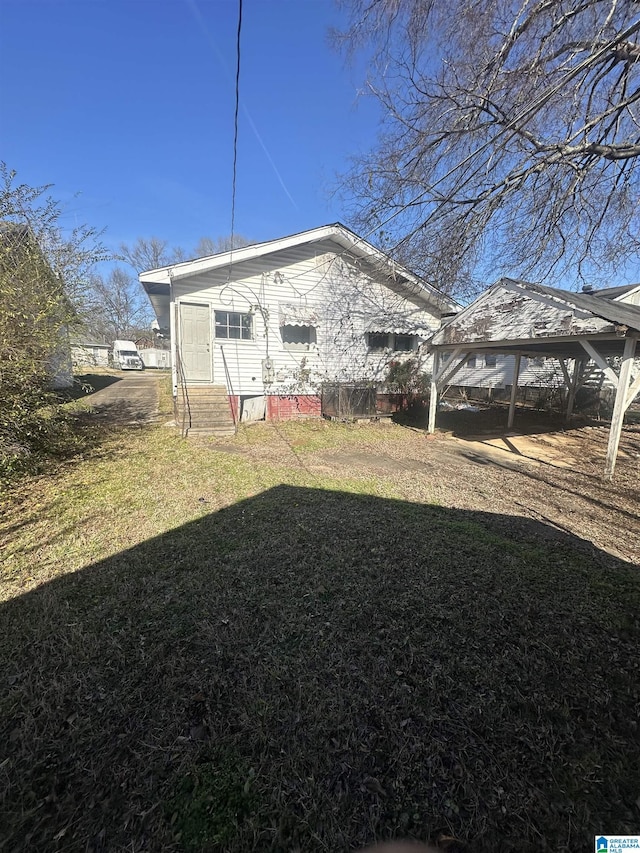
(338, 232)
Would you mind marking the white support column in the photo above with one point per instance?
(617, 419)
(573, 387)
(514, 393)
(449, 368)
(634, 390)
(433, 394)
(593, 353)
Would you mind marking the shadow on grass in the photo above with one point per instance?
(313, 670)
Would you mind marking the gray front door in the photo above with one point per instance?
(195, 342)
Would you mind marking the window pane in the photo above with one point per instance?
(304, 335)
(233, 324)
(403, 343)
(471, 361)
(489, 361)
(378, 341)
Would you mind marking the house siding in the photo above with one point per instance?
(531, 374)
(345, 297)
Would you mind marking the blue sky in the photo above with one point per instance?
(129, 103)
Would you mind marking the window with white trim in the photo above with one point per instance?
(234, 326)
(490, 360)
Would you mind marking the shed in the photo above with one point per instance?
(523, 319)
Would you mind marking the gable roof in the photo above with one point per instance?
(607, 309)
(615, 292)
(337, 233)
(514, 314)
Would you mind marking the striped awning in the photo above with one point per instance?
(297, 315)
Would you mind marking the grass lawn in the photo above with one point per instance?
(220, 647)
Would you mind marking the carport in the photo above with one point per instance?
(523, 319)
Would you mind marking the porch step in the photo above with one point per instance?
(207, 408)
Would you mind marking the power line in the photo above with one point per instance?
(235, 134)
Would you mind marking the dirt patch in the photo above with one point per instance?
(378, 464)
(553, 476)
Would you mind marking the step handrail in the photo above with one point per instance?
(230, 393)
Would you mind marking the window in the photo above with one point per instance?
(381, 341)
(403, 343)
(299, 337)
(233, 325)
(538, 361)
(378, 341)
(471, 361)
(489, 360)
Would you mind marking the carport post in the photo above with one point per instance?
(514, 392)
(433, 393)
(619, 406)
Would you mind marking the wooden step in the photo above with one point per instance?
(204, 410)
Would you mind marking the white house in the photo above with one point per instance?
(89, 353)
(267, 324)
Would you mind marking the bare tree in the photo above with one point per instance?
(214, 246)
(150, 254)
(511, 136)
(120, 308)
(153, 252)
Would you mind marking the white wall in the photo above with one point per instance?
(345, 296)
(545, 374)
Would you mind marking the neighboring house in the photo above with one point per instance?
(88, 353)
(496, 371)
(269, 323)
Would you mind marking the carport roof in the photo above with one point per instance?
(521, 317)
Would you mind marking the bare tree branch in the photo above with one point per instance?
(512, 133)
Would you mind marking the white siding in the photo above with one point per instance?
(345, 296)
(631, 298)
(546, 374)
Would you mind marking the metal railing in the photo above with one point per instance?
(230, 394)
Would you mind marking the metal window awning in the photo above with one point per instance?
(396, 326)
(297, 315)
